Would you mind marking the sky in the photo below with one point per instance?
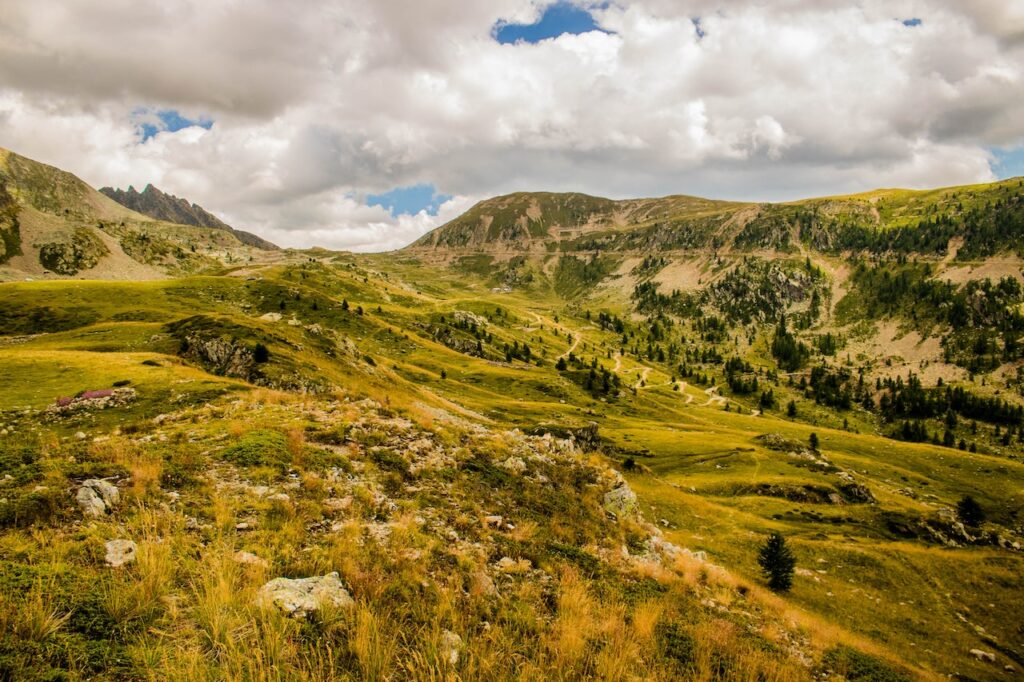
(362, 125)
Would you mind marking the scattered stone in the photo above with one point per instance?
(516, 465)
(120, 552)
(337, 504)
(451, 647)
(250, 559)
(493, 520)
(509, 565)
(80, 435)
(302, 596)
(985, 656)
(97, 497)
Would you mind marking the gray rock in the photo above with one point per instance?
(120, 552)
(97, 497)
(451, 647)
(983, 655)
(621, 501)
(302, 596)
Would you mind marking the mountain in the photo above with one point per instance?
(169, 208)
(52, 225)
(987, 218)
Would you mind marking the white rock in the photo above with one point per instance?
(983, 655)
(451, 647)
(302, 596)
(120, 552)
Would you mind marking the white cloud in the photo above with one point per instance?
(316, 107)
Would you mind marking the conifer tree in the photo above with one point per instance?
(777, 563)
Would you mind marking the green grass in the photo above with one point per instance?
(700, 468)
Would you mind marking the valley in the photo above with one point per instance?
(545, 441)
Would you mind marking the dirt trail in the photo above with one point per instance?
(618, 363)
(643, 378)
(713, 397)
(682, 391)
(575, 342)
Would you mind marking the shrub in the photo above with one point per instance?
(260, 448)
(260, 354)
(856, 665)
(676, 644)
(970, 512)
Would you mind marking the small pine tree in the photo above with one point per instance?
(814, 441)
(970, 512)
(777, 563)
(791, 409)
(260, 353)
(444, 375)
(344, 304)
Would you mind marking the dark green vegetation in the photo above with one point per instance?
(777, 561)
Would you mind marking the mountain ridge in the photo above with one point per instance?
(153, 202)
(876, 220)
(53, 224)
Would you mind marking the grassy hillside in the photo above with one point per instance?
(53, 225)
(546, 443)
(390, 420)
(975, 220)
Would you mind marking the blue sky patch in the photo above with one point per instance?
(409, 200)
(698, 28)
(558, 19)
(1009, 163)
(912, 22)
(150, 122)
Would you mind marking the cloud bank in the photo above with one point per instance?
(315, 107)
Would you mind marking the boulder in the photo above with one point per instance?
(301, 596)
(984, 656)
(120, 552)
(621, 501)
(97, 497)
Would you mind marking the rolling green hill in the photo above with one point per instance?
(985, 219)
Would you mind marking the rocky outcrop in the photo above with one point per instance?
(621, 501)
(97, 497)
(302, 596)
(221, 355)
(169, 208)
(82, 250)
(89, 401)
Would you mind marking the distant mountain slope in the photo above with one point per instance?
(53, 225)
(156, 204)
(984, 219)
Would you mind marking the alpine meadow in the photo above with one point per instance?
(509, 435)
